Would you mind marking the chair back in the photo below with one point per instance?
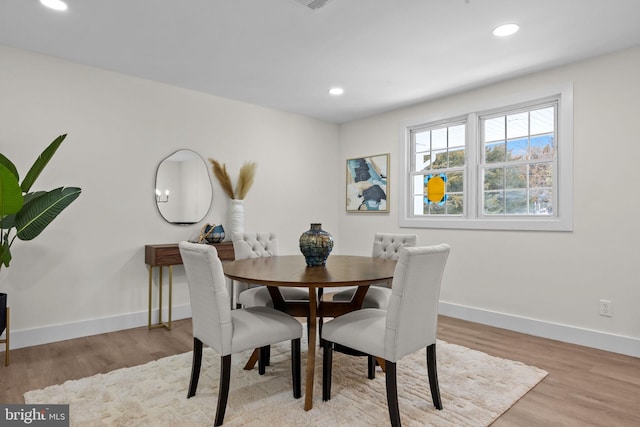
(412, 313)
(210, 303)
(254, 245)
(386, 245)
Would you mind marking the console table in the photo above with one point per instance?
(169, 255)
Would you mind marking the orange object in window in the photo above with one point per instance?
(435, 189)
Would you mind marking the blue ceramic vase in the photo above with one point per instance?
(316, 245)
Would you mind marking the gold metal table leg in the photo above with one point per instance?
(160, 323)
(160, 297)
(170, 296)
(150, 290)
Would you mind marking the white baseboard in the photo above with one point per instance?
(67, 331)
(570, 334)
(589, 338)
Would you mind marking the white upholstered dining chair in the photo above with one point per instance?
(258, 245)
(386, 246)
(230, 331)
(409, 323)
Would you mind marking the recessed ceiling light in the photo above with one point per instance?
(506, 30)
(54, 4)
(336, 91)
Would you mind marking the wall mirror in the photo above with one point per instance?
(183, 192)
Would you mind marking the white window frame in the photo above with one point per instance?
(562, 220)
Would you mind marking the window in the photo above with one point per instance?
(518, 160)
(494, 168)
(439, 169)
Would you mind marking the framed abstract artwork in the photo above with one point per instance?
(368, 183)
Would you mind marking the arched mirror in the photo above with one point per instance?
(183, 190)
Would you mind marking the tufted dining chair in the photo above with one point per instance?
(230, 331)
(260, 245)
(257, 245)
(407, 325)
(385, 245)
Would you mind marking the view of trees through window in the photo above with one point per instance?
(517, 157)
(440, 150)
(504, 164)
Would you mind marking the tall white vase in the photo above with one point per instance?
(236, 217)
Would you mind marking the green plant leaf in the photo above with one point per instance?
(5, 251)
(30, 196)
(38, 213)
(11, 199)
(9, 165)
(40, 163)
(8, 222)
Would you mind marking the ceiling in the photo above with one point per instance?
(281, 54)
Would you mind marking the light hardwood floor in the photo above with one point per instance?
(585, 387)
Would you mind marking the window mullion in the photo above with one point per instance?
(472, 163)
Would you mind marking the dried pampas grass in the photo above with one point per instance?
(220, 171)
(245, 180)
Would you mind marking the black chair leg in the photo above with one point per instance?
(327, 361)
(295, 368)
(195, 367)
(267, 361)
(262, 359)
(392, 393)
(433, 376)
(223, 390)
(320, 319)
(371, 367)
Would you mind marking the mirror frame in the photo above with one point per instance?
(163, 195)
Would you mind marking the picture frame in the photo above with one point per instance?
(367, 188)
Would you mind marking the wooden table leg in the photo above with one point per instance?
(311, 352)
(253, 359)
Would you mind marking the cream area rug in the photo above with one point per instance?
(476, 389)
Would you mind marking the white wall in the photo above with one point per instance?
(545, 283)
(86, 273)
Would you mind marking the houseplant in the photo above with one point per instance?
(25, 214)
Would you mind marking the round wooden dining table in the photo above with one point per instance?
(339, 270)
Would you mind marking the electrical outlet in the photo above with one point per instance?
(606, 308)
